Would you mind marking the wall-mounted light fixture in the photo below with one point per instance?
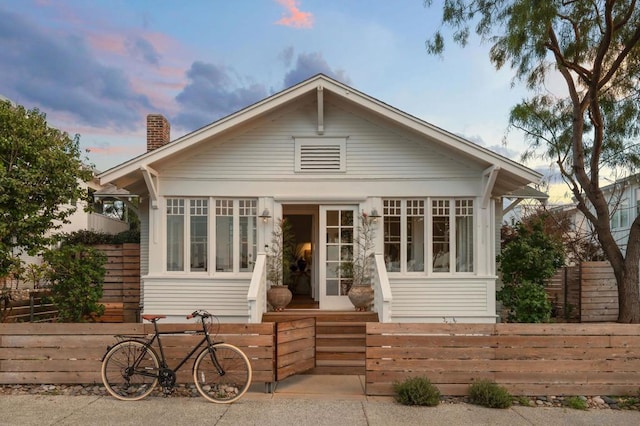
(374, 216)
(265, 216)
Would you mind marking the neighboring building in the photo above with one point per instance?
(318, 154)
(623, 197)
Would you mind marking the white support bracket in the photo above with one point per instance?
(512, 206)
(320, 110)
(151, 179)
(491, 174)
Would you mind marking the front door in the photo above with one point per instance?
(337, 228)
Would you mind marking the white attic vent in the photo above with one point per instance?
(317, 155)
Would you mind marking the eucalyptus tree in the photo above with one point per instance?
(592, 48)
(40, 174)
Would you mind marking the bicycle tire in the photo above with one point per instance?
(227, 388)
(125, 381)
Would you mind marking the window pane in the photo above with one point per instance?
(198, 213)
(464, 235)
(391, 218)
(440, 232)
(248, 234)
(224, 235)
(415, 235)
(175, 235)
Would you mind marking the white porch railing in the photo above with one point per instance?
(382, 296)
(257, 294)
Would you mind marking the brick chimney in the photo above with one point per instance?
(158, 131)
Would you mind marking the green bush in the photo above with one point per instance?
(528, 302)
(489, 394)
(417, 391)
(76, 274)
(576, 403)
(90, 238)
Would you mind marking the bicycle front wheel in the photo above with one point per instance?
(130, 370)
(222, 373)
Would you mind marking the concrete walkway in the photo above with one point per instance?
(299, 400)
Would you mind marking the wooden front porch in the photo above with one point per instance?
(340, 338)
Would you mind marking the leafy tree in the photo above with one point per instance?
(76, 273)
(527, 261)
(39, 176)
(594, 49)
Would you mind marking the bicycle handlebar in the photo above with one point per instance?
(199, 313)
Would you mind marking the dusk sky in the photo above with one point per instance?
(98, 67)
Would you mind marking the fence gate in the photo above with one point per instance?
(295, 347)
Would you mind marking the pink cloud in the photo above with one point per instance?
(296, 17)
(111, 150)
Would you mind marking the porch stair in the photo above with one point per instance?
(340, 338)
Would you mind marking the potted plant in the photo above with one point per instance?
(279, 259)
(360, 267)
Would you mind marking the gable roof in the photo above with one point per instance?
(508, 175)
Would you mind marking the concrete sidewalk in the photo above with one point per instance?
(299, 400)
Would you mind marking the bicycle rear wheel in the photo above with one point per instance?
(235, 378)
(130, 370)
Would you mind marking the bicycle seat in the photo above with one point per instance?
(153, 318)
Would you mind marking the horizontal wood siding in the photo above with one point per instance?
(221, 297)
(374, 149)
(71, 353)
(527, 359)
(438, 297)
(598, 293)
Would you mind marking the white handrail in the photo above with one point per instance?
(382, 290)
(257, 294)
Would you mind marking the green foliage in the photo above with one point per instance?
(88, 237)
(576, 403)
(280, 253)
(417, 391)
(589, 124)
(527, 261)
(527, 302)
(39, 174)
(489, 394)
(76, 273)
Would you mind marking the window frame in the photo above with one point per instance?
(428, 235)
(211, 243)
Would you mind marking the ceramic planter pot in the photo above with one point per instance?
(361, 296)
(279, 297)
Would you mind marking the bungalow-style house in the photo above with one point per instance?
(319, 154)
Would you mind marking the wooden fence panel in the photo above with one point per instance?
(71, 353)
(122, 278)
(599, 292)
(527, 359)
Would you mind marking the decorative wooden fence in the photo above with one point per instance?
(598, 292)
(586, 293)
(122, 281)
(71, 353)
(38, 308)
(528, 359)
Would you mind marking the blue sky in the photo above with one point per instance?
(97, 67)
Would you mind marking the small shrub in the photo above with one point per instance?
(417, 391)
(576, 403)
(489, 394)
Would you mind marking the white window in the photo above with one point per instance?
(188, 224)
(411, 234)
(620, 217)
(235, 235)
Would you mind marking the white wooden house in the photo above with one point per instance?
(318, 154)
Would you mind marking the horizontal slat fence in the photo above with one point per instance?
(71, 353)
(122, 278)
(598, 292)
(527, 359)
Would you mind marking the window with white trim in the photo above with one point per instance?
(188, 224)
(620, 217)
(412, 234)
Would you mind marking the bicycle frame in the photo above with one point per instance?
(163, 363)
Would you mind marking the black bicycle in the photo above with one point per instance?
(131, 369)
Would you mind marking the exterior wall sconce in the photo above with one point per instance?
(374, 216)
(265, 216)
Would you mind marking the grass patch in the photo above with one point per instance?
(576, 403)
